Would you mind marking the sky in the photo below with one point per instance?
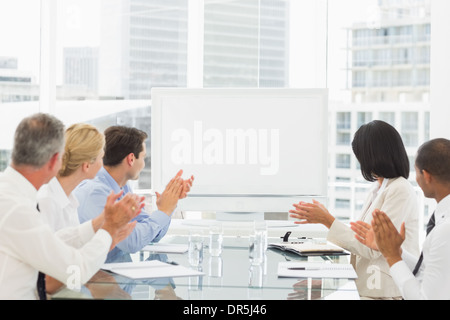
(79, 25)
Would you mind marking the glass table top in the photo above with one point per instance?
(231, 276)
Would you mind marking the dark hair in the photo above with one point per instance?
(434, 157)
(120, 141)
(380, 151)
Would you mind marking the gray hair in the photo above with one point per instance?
(37, 139)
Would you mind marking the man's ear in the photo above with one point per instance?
(53, 162)
(130, 159)
(427, 176)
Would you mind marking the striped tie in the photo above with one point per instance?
(430, 227)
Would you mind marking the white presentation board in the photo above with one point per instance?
(254, 143)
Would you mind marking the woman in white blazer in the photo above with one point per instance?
(384, 161)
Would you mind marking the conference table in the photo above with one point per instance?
(230, 276)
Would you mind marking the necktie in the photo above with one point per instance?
(430, 226)
(41, 280)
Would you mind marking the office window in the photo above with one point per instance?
(410, 129)
(343, 161)
(387, 74)
(246, 43)
(343, 138)
(4, 159)
(19, 68)
(426, 125)
(359, 78)
(382, 57)
(388, 117)
(343, 126)
(363, 118)
(111, 53)
(342, 204)
(361, 58)
(343, 120)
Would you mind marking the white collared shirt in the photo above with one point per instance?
(57, 209)
(432, 281)
(27, 244)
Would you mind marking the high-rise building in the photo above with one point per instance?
(143, 45)
(246, 43)
(389, 78)
(81, 68)
(16, 85)
(390, 60)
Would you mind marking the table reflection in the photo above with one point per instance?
(229, 276)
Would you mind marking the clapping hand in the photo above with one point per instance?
(364, 234)
(388, 239)
(118, 214)
(314, 212)
(381, 235)
(187, 184)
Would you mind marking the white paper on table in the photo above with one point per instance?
(316, 270)
(348, 291)
(166, 248)
(150, 269)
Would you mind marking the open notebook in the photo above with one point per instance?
(309, 248)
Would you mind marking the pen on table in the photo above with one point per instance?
(304, 268)
(172, 262)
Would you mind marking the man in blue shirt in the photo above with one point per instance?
(123, 161)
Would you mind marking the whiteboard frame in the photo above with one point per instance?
(251, 201)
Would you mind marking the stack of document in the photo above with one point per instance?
(316, 270)
(150, 269)
(309, 248)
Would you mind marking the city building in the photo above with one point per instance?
(143, 45)
(389, 79)
(16, 85)
(246, 44)
(81, 68)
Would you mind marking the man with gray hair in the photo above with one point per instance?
(27, 244)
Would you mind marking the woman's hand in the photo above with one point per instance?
(364, 234)
(312, 213)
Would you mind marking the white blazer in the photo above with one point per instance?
(397, 198)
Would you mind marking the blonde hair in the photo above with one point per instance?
(83, 144)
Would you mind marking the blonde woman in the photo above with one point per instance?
(82, 159)
(83, 153)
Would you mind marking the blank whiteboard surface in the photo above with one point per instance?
(253, 142)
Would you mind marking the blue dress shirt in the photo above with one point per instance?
(92, 195)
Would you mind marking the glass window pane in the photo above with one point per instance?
(246, 43)
(19, 68)
(382, 73)
(343, 161)
(374, 59)
(111, 54)
(120, 49)
(388, 117)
